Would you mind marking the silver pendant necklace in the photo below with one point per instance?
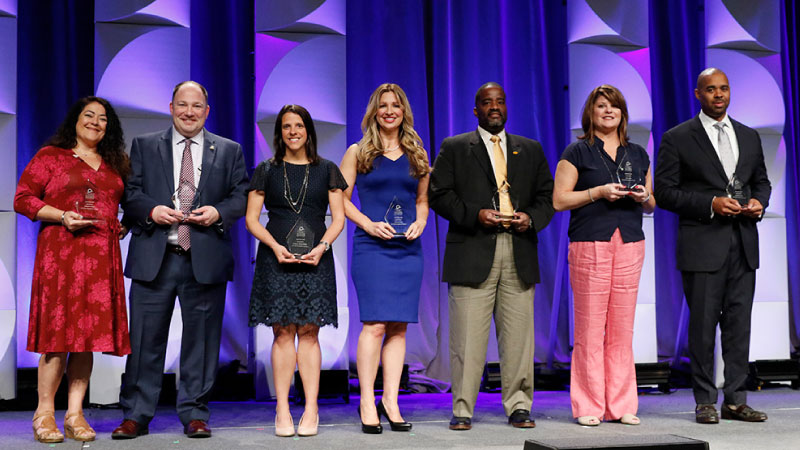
(301, 195)
(603, 160)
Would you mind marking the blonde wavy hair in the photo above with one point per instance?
(370, 145)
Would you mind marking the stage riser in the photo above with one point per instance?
(619, 442)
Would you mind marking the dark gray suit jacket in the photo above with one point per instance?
(222, 184)
(689, 175)
(463, 183)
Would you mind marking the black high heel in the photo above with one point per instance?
(369, 429)
(395, 426)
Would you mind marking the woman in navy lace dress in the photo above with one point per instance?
(294, 288)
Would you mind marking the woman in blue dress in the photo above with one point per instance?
(390, 168)
(294, 289)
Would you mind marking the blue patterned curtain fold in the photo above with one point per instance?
(222, 60)
(790, 24)
(677, 55)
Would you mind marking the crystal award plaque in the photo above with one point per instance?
(300, 239)
(187, 190)
(501, 195)
(86, 207)
(738, 191)
(628, 175)
(398, 217)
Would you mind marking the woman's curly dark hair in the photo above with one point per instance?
(111, 148)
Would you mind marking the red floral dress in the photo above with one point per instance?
(78, 295)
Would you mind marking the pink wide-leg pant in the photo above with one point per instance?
(605, 283)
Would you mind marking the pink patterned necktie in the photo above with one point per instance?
(186, 192)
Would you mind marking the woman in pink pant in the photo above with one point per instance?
(604, 179)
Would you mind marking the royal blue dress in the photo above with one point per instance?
(387, 274)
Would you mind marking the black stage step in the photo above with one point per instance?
(618, 442)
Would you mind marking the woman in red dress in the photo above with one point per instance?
(73, 186)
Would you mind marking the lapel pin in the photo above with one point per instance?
(515, 152)
(211, 148)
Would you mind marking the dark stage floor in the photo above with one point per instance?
(250, 425)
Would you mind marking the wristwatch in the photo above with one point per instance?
(326, 244)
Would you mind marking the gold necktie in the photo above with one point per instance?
(501, 177)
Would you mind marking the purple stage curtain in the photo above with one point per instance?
(55, 67)
(790, 24)
(440, 52)
(226, 67)
(677, 56)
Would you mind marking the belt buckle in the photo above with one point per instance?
(178, 250)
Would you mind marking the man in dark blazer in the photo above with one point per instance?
(490, 259)
(699, 161)
(186, 190)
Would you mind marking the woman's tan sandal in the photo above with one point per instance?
(45, 428)
(76, 427)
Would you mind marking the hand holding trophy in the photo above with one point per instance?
(300, 239)
(399, 218)
(86, 207)
(503, 202)
(185, 199)
(738, 191)
(628, 175)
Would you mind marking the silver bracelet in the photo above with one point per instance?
(62, 217)
(648, 197)
(326, 244)
(590, 194)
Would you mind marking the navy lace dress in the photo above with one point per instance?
(300, 294)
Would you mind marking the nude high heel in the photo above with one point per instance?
(287, 431)
(310, 430)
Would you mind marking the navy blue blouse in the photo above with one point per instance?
(597, 221)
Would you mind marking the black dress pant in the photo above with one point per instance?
(723, 297)
(151, 306)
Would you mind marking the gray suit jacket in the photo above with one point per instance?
(222, 184)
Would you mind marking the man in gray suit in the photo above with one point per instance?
(496, 191)
(187, 188)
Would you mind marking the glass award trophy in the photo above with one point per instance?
(501, 195)
(300, 239)
(86, 207)
(628, 175)
(398, 217)
(185, 190)
(738, 191)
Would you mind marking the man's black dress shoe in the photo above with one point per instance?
(197, 429)
(460, 423)
(521, 418)
(706, 413)
(369, 429)
(129, 429)
(743, 413)
(395, 426)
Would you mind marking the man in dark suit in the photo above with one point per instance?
(699, 162)
(495, 210)
(187, 188)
